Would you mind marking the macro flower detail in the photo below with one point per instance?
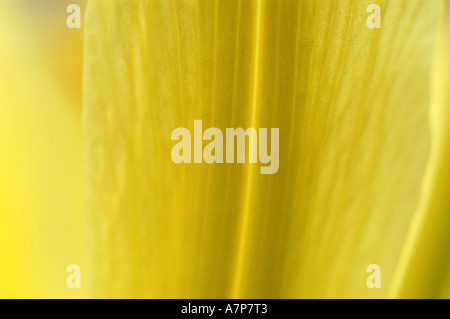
(352, 104)
(231, 149)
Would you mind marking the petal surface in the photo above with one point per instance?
(352, 105)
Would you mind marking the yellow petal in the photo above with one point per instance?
(352, 107)
(424, 270)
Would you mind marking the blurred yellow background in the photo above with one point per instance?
(42, 222)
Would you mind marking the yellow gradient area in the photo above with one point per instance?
(42, 223)
(353, 107)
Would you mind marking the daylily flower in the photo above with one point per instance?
(363, 178)
(364, 148)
